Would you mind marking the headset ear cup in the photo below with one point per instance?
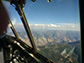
(3, 19)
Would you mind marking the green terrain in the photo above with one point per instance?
(51, 43)
(54, 52)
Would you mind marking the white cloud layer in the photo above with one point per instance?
(14, 21)
(57, 26)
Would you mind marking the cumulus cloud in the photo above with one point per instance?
(67, 25)
(14, 21)
(57, 26)
(37, 24)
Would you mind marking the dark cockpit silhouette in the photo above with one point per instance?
(14, 49)
(3, 18)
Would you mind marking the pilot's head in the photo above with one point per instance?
(3, 19)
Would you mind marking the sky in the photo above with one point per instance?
(59, 14)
